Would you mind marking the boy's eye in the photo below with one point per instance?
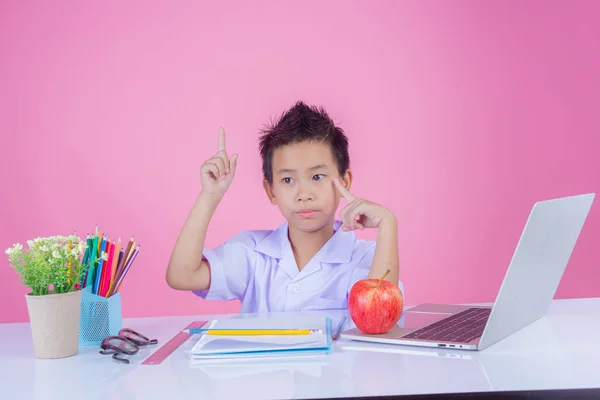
(319, 177)
(287, 180)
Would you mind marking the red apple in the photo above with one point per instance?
(375, 305)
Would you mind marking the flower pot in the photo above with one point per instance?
(54, 322)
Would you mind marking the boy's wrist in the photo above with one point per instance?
(388, 220)
(211, 200)
(210, 196)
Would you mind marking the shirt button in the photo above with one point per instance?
(296, 289)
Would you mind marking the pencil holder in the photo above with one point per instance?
(100, 317)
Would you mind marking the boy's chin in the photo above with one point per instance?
(310, 225)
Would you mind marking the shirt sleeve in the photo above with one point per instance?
(361, 271)
(231, 266)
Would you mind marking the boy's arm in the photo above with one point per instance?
(386, 250)
(360, 214)
(187, 270)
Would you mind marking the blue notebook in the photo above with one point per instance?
(223, 347)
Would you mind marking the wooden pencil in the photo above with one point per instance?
(127, 268)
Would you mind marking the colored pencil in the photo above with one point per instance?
(116, 274)
(92, 264)
(113, 268)
(99, 236)
(102, 271)
(86, 256)
(127, 267)
(131, 249)
(106, 276)
(90, 251)
(338, 330)
(100, 266)
(125, 256)
(107, 272)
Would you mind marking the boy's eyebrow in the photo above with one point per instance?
(288, 170)
(285, 171)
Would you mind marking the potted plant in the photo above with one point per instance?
(52, 268)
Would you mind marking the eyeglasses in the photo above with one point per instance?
(127, 342)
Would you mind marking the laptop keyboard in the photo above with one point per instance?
(461, 327)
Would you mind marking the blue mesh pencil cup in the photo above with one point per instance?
(100, 317)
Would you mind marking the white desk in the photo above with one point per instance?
(559, 351)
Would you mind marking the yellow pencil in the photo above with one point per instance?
(243, 332)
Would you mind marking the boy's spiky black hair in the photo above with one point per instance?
(298, 124)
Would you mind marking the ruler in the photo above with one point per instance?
(166, 349)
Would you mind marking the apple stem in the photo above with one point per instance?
(383, 277)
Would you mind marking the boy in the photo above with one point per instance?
(310, 261)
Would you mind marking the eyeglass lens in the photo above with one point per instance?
(136, 337)
(120, 344)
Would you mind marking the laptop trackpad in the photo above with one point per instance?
(415, 320)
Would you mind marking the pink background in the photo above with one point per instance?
(460, 115)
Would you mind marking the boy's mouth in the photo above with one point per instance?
(307, 213)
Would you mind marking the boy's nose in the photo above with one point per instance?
(304, 195)
(305, 192)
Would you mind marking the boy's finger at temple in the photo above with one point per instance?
(355, 214)
(350, 209)
(355, 221)
(347, 195)
(349, 214)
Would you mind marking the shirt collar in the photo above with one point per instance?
(338, 249)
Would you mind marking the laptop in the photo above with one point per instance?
(528, 288)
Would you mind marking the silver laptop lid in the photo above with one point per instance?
(537, 265)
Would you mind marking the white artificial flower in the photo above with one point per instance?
(18, 247)
(56, 254)
(104, 256)
(9, 251)
(30, 243)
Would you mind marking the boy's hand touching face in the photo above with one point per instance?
(217, 172)
(360, 213)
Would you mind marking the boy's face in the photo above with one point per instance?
(302, 184)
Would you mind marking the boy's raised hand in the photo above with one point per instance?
(217, 172)
(360, 213)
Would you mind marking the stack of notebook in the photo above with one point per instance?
(263, 337)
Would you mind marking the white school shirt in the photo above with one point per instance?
(258, 268)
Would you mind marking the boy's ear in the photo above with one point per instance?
(269, 191)
(346, 180)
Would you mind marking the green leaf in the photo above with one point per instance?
(50, 264)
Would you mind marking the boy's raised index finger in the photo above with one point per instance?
(347, 195)
(221, 145)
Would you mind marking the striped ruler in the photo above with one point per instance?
(176, 341)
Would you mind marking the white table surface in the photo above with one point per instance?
(561, 350)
